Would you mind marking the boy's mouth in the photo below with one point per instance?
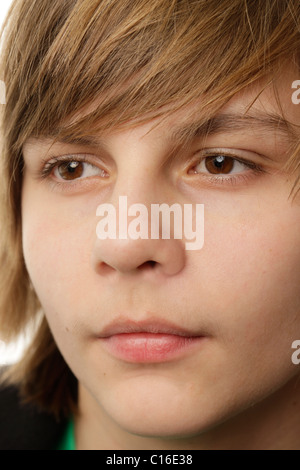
(148, 341)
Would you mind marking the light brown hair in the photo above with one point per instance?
(135, 59)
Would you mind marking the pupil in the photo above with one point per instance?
(219, 161)
(73, 166)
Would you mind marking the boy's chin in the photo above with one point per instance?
(154, 422)
(161, 412)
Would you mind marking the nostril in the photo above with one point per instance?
(104, 268)
(147, 265)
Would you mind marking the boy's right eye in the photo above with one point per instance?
(68, 168)
(76, 169)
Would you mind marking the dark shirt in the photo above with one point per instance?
(24, 427)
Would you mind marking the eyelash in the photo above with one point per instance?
(47, 166)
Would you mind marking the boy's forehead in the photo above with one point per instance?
(272, 95)
(264, 106)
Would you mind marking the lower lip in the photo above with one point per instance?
(149, 347)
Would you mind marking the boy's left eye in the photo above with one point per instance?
(220, 165)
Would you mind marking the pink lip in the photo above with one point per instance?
(146, 342)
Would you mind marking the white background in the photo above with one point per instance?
(12, 352)
(4, 6)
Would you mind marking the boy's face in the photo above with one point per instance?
(239, 293)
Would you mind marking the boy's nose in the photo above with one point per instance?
(125, 250)
(141, 181)
(132, 256)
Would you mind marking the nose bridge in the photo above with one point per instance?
(140, 187)
(137, 175)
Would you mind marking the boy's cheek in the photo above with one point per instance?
(57, 256)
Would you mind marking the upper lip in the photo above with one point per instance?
(156, 326)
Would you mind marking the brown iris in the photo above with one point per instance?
(70, 170)
(219, 164)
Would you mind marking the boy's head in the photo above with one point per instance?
(164, 102)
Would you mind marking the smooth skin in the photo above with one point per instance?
(238, 388)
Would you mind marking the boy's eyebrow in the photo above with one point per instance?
(229, 122)
(221, 123)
